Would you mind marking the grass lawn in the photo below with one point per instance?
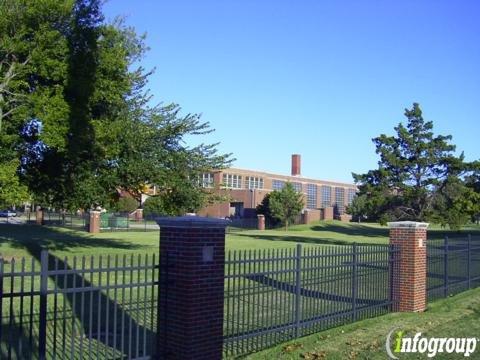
(458, 316)
(22, 240)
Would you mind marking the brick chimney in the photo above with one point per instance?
(296, 162)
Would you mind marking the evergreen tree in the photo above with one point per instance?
(415, 166)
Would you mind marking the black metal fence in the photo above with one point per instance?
(95, 307)
(105, 307)
(453, 266)
(109, 222)
(78, 221)
(273, 296)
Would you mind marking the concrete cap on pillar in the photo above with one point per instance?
(407, 224)
(191, 222)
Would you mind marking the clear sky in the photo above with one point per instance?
(319, 78)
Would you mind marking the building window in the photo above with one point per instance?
(297, 186)
(252, 182)
(278, 184)
(326, 196)
(351, 195)
(207, 180)
(311, 196)
(339, 200)
(232, 181)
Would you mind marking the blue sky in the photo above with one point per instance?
(319, 78)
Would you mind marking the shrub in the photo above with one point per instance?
(126, 204)
(154, 205)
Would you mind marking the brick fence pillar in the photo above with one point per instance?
(191, 293)
(139, 214)
(410, 273)
(94, 226)
(39, 216)
(306, 217)
(261, 222)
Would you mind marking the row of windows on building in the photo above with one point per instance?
(312, 191)
(234, 181)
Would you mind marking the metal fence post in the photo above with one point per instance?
(393, 261)
(469, 259)
(445, 267)
(42, 331)
(1, 298)
(354, 281)
(298, 289)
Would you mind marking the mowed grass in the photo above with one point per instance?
(23, 240)
(458, 316)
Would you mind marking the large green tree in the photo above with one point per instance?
(32, 69)
(414, 167)
(77, 111)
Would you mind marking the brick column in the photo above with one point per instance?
(305, 217)
(261, 222)
(94, 226)
(328, 213)
(139, 214)
(410, 273)
(39, 216)
(191, 293)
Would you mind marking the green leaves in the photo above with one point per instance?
(62, 64)
(415, 173)
(285, 204)
(12, 192)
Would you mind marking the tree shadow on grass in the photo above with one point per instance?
(32, 237)
(102, 318)
(95, 311)
(366, 230)
(15, 342)
(353, 230)
(303, 239)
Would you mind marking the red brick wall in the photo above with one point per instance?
(410, 279)
(328, 213)
(310, 216)
(261, 222)
(191, 291)
(296, 165)
(94, 226)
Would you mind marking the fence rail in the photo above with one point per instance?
(273, 296)
(453, 266)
